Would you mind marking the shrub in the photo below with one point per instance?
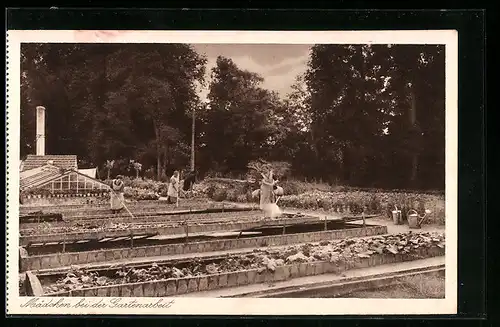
(220, 195)
(231, 195)
(211, 191)
(241, 198)
(326, 204)
(294, 187)
(163, 189)
(139, 194)
(374, 205)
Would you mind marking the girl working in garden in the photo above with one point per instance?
(117, 198)
(267, 195)
(173, 188)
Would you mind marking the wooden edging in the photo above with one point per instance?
(32, 285)
(78, 258)
(178, 286)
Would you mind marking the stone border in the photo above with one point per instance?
(195, 217)
(343, 285)
(32, 285)
(178, 286)
(165, 230)
(100, 256)
(340, 289)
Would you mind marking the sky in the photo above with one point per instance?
(278, 64)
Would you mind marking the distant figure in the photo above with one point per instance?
(267, 201)
(117, 198)
(189, 181)
(173, 188)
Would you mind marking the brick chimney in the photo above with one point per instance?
(40, 131)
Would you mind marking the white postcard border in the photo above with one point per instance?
(246, 306)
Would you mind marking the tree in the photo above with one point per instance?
(160, 89)
(238, 119)
(345, 86)
(137, 167)
(368, 115)
(295, 138)
(109, 165)
(417, 83)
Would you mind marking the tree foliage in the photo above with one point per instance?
(365, 115)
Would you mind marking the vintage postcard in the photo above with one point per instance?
(232, 172)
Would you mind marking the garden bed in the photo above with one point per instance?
(257, 267)
(119, 250)
(347, 201)
(94, 210)
(144, 218)
(124, 230)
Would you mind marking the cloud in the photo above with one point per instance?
(278, 64)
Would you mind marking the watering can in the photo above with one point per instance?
(415, 220)
(396, 216)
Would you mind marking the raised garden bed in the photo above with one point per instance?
(73, 234)
(40, 217)
(145, 217)
(142, 205)
(261, 266)
(178, 247)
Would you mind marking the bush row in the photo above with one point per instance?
(299, 195)
(369, 202)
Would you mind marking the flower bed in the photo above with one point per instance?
(46, 228)
(349, 201)
(139, 194)
(66, 193)
(369, 202)
(147, 189)
(112, 224)
(341, 252)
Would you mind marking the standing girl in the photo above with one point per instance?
(117, 198)
(173, 188)
(266, 192)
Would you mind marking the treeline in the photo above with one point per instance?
(361, 115)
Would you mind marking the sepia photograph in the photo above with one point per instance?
(231, 170)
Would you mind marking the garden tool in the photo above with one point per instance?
(415, 220)
(123, 203)
(178, 186)
(396, 216)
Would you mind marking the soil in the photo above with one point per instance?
(92, 226)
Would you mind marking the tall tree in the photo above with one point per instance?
(100, 107)
(238, 120)
(345, 86)
(160, 88)
(417, 82)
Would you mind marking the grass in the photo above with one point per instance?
(412, 287)
(427, 286)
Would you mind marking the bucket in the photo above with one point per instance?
(413, 219)
(396, 217)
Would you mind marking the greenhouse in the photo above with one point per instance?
(54, 180)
